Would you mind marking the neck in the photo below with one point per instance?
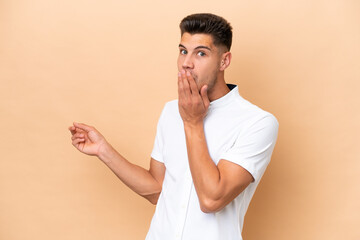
(219, 90)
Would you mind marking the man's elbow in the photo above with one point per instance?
(153, 198)
(210, 205)
(153, 201)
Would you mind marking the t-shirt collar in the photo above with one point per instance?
(227, 98)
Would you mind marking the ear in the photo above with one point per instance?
(225, 60)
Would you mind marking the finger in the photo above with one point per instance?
(78, 135)
(83, 127)
(87, 137)
(192, 84)
(204, 96)
(180, 86)
(72, 130)
(77, 141)
(79, 130)
(187, 91)
(75, 130)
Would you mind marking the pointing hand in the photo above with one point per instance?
(87, 139)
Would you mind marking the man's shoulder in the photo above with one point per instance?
(172, 103)
(242, 105)
(170, 110)
(171, 106)
(250, 112)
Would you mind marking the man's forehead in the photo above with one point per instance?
(197, 39)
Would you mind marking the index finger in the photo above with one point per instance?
(193, 86)
(180, 86)
(72, 130)
(84, 127)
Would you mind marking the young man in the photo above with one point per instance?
(211, 147)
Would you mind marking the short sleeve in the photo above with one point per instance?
(157, 152)
(253, 147)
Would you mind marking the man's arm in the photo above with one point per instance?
(216, 186)
(146, 183)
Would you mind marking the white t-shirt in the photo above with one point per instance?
(235, 130)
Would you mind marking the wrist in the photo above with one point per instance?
(106, 152)
(193, 125)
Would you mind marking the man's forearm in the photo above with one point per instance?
(205, 174)
(135, 177)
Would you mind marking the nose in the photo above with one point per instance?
(188, 63)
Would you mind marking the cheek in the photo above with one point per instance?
(208, 73)
(202, 71)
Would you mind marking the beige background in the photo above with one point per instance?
(112, 64)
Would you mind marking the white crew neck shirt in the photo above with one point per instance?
(235, 130)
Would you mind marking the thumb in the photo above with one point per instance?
(204, 96)
(83, 126)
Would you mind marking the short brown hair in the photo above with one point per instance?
(211, 24)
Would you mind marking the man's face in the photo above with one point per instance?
(199, 56)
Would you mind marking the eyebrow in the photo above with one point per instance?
(198, 47)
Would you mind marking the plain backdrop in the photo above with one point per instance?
(112, 64)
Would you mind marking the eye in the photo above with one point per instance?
(201, 54)
(183, 51)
